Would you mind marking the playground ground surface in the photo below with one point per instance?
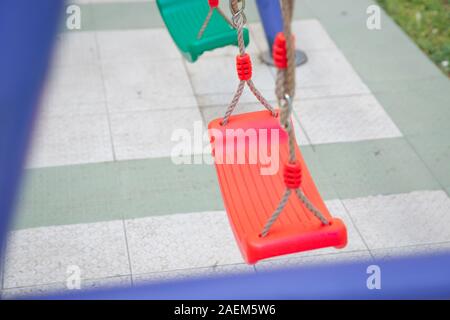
(101, 194)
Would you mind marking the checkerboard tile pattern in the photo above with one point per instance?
(137, 91)
(197, 244)
(113, 96)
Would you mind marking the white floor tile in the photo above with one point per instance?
(420, 217)
(408, 251)
(355, 242)
(344, 119)
(76, 49)
(139, 135)
(183, 274)
(136, 45)
(47, 109)
(300, 135)
(309, 35)
(215, 81)
(74, 85)
(71, 139)
(181, 241)
(313, 260)
(42, 255)
(328, 71)
(61, 288)
(147, 85)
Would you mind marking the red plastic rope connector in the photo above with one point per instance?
(244, 67)
(213, 3)
(279, 51)
(292, 175)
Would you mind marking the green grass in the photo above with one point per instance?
(427, 22)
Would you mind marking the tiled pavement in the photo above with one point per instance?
(102, 193)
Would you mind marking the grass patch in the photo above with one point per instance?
(427, 22)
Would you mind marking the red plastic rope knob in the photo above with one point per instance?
(213, 3)
(244, 67)
(292, 175)
(279, 51)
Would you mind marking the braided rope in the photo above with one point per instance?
(260, 97)
(279, 85)
(285, 92)
(233, 102)
(238, 21)
(287, 9)
(276, 213)
(308, 204)
(205, 23)
(208, 20)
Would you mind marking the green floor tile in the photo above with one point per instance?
(448, 190)
(68, 194)
(141, 188)
(138, 15)
(108, 191)
(385, 166)
(119, 16)
(423, 107)
(376, 55)
(323, 182)
(434, 149)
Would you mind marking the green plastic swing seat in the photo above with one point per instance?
(184, 18)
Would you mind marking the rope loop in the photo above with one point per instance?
(238, 17)
(235, 8)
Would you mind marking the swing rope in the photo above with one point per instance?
(243, 62)
(213, 5)
(284, 58)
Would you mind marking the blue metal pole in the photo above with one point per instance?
(270, 13)
(272, 21)
(27, 31)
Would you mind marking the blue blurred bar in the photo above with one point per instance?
(27, 31)
(270, 14)
(421, 277)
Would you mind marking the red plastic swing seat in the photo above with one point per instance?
(250, 198)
